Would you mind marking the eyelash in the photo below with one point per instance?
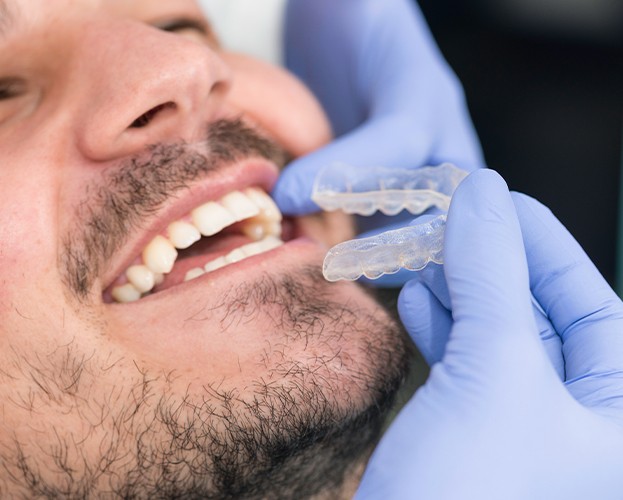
(9, 89)
(184, 24)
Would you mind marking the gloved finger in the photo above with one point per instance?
(426, 320)
(487, 275)
(584, 310)
(551, 341)
(434, 278)
(373, 144)
(362, 58)
(379, 75)
(430, 329)
(321, 42)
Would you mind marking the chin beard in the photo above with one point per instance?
(305, 433)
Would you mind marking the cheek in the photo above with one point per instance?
(29, 228)
(25, 230)
(278, 103)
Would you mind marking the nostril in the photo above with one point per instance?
(146, 118)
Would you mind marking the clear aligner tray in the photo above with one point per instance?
(411, 248)
(364, 191)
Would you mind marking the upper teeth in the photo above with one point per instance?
(262, 224)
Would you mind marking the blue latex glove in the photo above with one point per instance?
(390, 96)
(494, 420)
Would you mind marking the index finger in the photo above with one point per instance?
(375, 143)
(583, 308)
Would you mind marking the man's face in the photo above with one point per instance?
(124, 131)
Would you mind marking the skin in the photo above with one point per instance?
(258, 380)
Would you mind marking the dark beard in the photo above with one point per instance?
(286, 439)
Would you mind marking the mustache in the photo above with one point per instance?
(127, 195)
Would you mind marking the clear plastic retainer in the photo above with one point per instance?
(364, 191)
(411, 248)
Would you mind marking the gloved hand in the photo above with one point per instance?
(494, 420)
(391, 98)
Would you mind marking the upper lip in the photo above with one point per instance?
(240, 175)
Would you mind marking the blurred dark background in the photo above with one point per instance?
(544, 84)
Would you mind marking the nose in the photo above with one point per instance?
(141, 86)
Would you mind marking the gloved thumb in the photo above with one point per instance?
(487, 274)
(426, 320)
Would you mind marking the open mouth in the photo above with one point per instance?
(240, 225)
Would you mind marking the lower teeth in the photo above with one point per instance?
(129, 293)
(244, 252)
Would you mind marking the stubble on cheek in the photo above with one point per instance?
(94, 423)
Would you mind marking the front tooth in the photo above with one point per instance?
(142, 278)
(240, 205)
(215, 264)
(183, 235)
(268, 207)
(159, 256)
(126, 293)
(211, 218)
(194, 273)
